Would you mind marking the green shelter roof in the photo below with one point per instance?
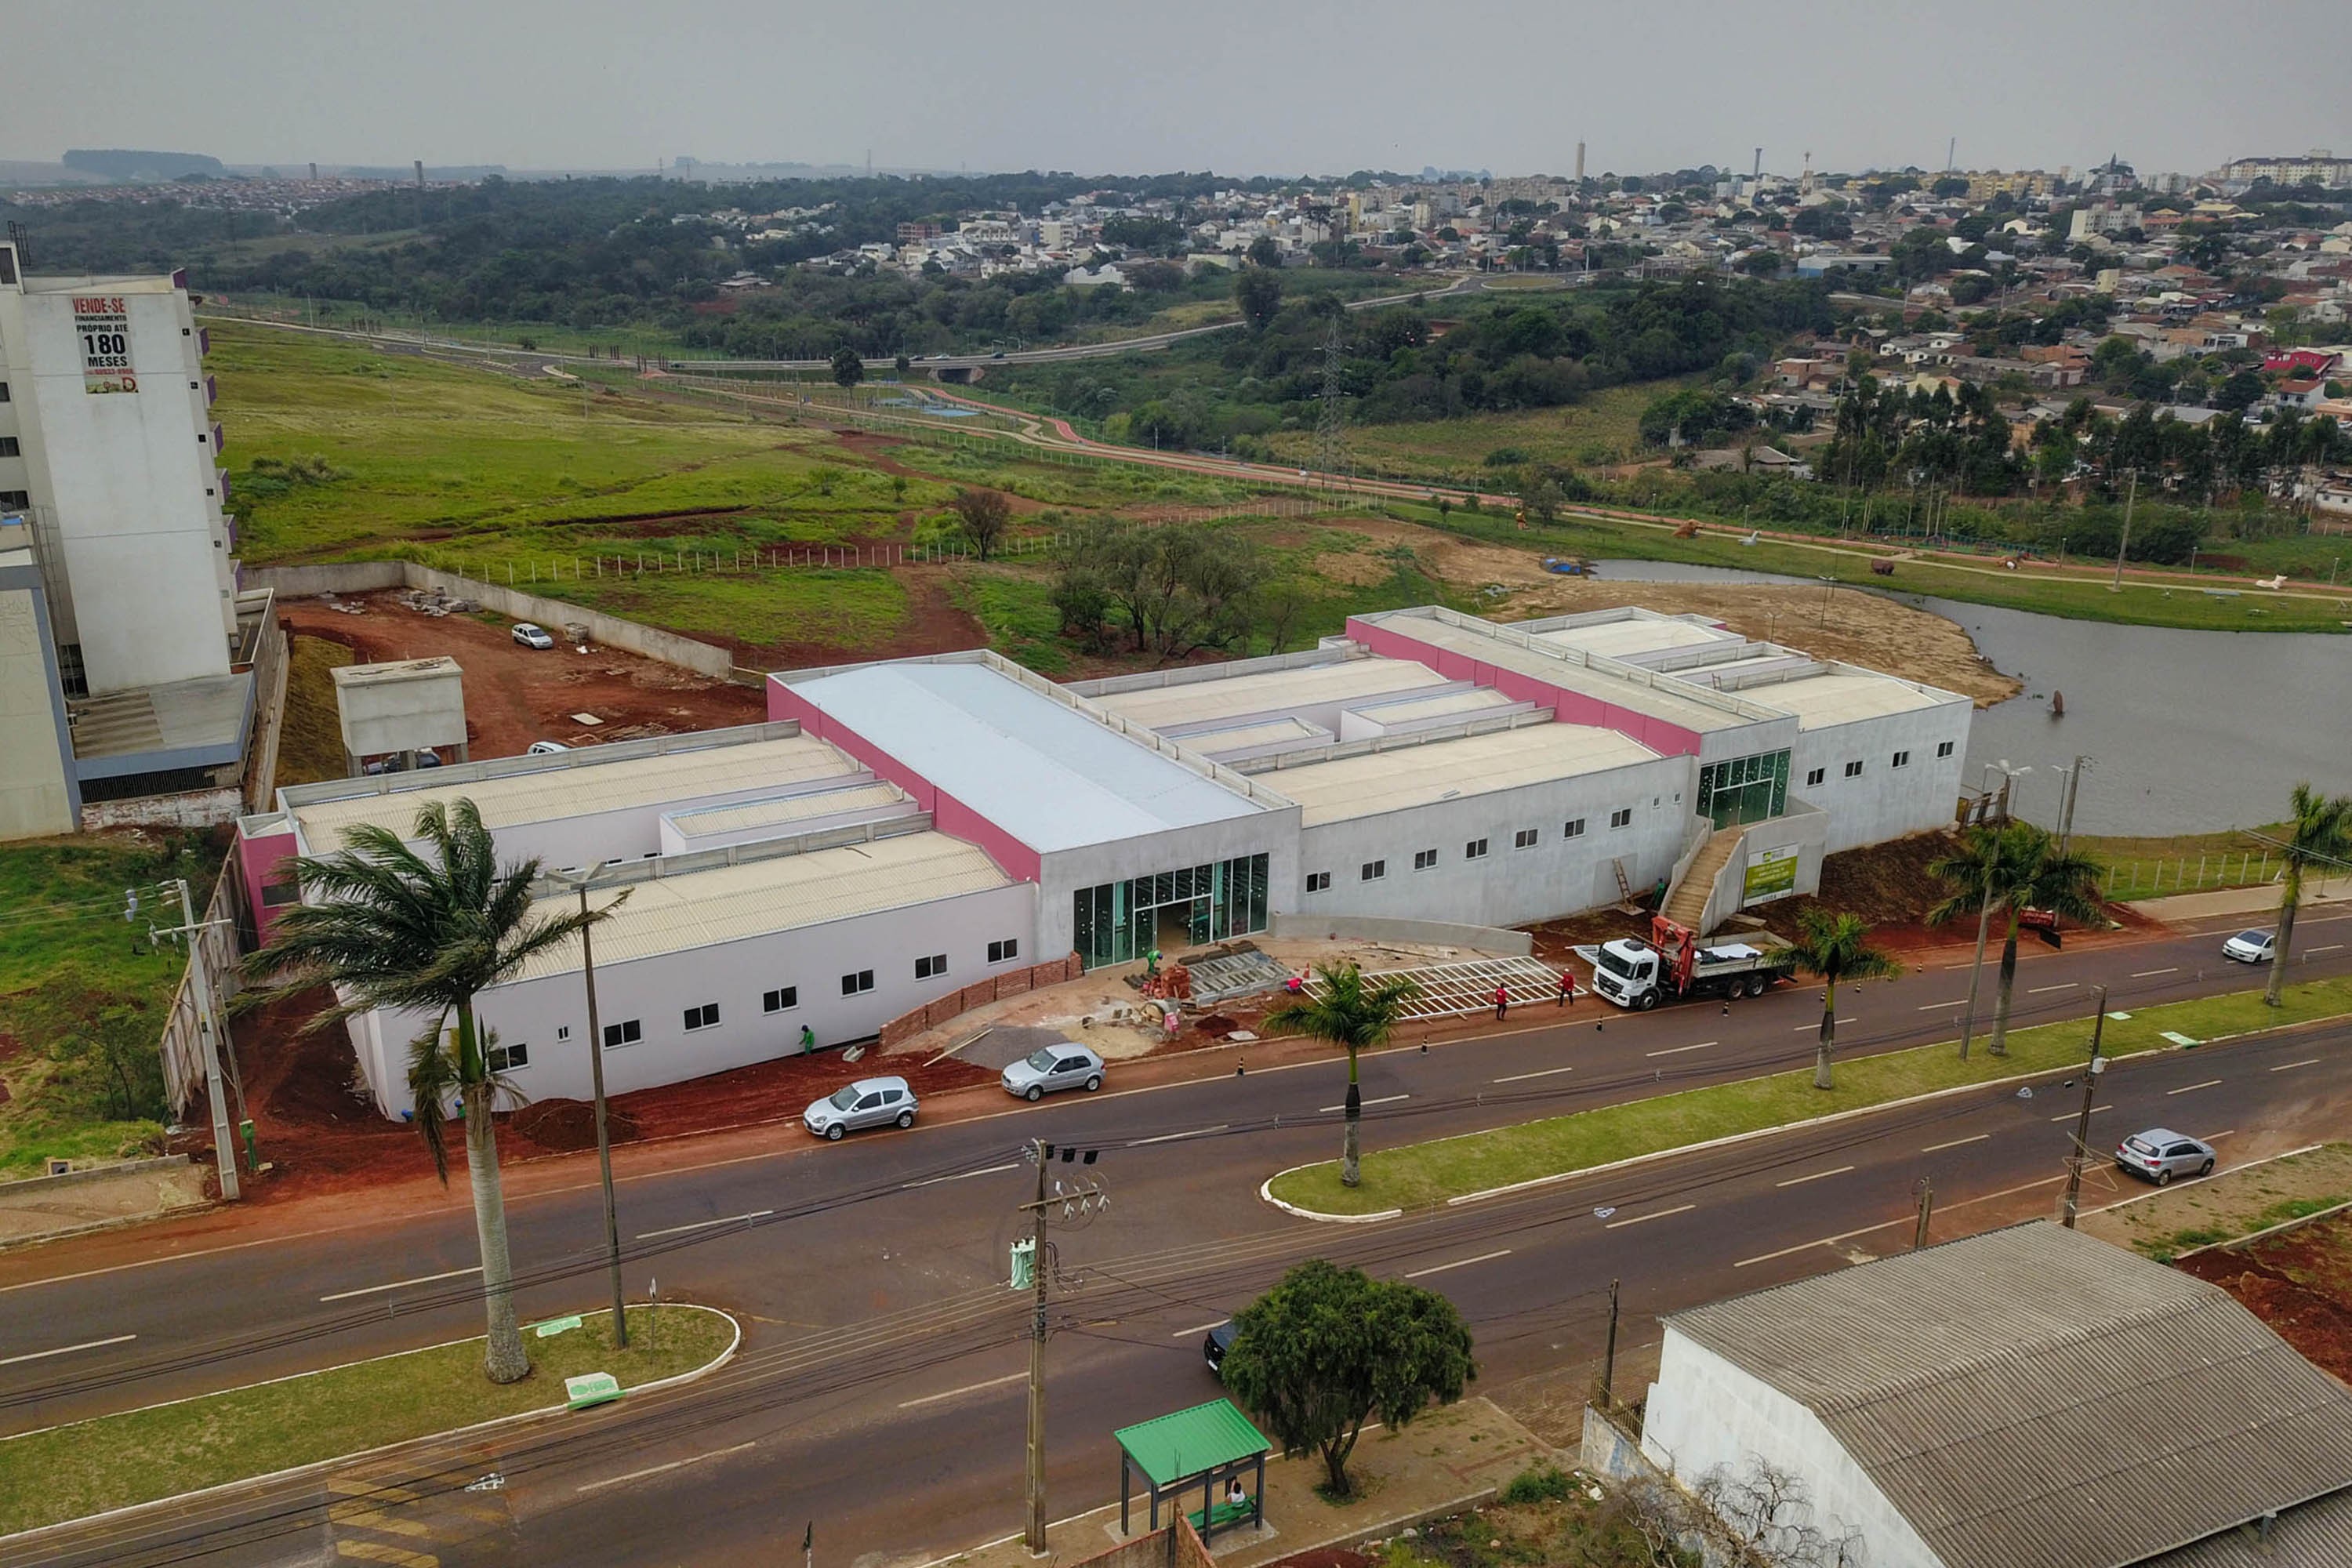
(1172, 1448)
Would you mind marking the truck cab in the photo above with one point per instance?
(1626, 973)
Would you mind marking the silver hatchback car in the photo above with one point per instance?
(2160, 1153)
(868, 1102)
(1049, 1068)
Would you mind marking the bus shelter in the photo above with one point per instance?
(1207, 1447)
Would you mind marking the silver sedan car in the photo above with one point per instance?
(868, 1102)
(2160, 1153)
(1049, 1068)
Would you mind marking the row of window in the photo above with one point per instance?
(784, 998)
(1853, 768)
(1475, 849)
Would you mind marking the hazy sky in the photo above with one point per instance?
(1238, 86)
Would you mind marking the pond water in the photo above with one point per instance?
(2192, 732)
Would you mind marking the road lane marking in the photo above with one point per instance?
(402, 1284)
(1203, 1328)
(1678, 1050)
(659, 1469)
(1383, 1100)
(1459, 1263)
(1814, 1028)
(67, 1349)
(1654, 1213)
(1817, 1176)
(703, 1224)
(2152, 973)
(1956, 1143)
(2061, 986)
(1171, 1137)
(2331, 947)
(1547, 1072)
(2307, 1061)
(967, 1388)
(958, 1176)
(2186, 1087)
(1932, 1007)
(2072, 1114)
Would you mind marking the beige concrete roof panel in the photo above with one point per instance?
(1406, 776)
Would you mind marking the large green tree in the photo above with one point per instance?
(1356, 1013)
(1328, 1349)
(425, 927)
(2037, 876)
(1836, 946)
(1257, 289)
(2318, 834)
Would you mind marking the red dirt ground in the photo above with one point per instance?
(516, 695)
(2300, 1283)
(1324, 1557)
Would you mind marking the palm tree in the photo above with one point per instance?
(390, 927)
(2038, 877)
(1976, 873)
(1356, 1015)
(2319, 833)
(1835, 947)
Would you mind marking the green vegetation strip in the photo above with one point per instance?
(116, 1461)
(1421, 1175)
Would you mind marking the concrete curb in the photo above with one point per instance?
(1265, 1191)
(119, 1222)
(2249, 1165)
(2328, 1213)
(315, 1467)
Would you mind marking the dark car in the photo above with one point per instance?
(1213, 1348)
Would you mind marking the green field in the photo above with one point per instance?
(1603, 428)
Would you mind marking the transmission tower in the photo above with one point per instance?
(1331, 425)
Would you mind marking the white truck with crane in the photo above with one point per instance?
(1674, 962)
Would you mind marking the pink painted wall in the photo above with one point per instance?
(1392, 640)
(257, 858)
(950, 815)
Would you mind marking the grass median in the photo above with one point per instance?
(1421, 1175)
(114, 1461)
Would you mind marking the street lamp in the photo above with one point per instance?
(603, 1137)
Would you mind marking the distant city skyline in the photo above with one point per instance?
(1235, 86)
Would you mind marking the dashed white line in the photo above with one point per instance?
(2331, 947)
(703, 1224)
(1955, 1143)
(1383, 1100)
(2061, 986)
(2072, 1114)
(1521, 1077)
(1934, 1007)
(2152, 973)
(958, 1176)
(1201, 1329)
(2186, 1087)
(1654, 1213)
(67, 1349)
(1815, 1027)
(2307, 1061)
(402, 1284)
(658, 1469)
(1678, 1050)
(1459, 1263)
(1815, 1176)
(967, 1388)
(1172, 1137)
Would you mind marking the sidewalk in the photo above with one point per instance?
(2261, 899)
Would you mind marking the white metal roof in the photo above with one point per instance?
(1820, 701)
(788, 809)
(728, 903)
(1050, 775)
(587, 786)
(1637, 634)
(1406, 776)
(1191, 702)
(1618, 684)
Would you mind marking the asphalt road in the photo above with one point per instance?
(880, 1388)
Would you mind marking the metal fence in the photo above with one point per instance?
(2146, 879)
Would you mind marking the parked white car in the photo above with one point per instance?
(532, 636)
(2251, 947)
(868, 1102)
(1049, 1068)
(544, 748)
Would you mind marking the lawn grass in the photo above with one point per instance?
(1420, 1175)
(1603, 428)
(114, 1461)
(2235, 1203)
(310, 745)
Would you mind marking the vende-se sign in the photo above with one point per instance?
(102, 323)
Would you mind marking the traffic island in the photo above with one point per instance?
(110, 1462)
(1481, 1165)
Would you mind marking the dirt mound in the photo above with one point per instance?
(2296, 1283)
(566, 1126)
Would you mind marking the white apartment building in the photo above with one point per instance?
(109, 463)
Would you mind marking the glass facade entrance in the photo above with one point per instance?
(1115, 923)
(1745, 789)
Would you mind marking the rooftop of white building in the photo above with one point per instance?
(1573, 669)
(1841, 696)
(1400, 777)
(1634, 634)
(784, 811)
(1187, 699)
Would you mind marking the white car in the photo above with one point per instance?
(532, 636)
(868, 1102)
(544, 748)
(2251, 947)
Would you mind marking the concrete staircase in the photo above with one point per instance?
(1686, 900)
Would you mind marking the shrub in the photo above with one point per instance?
(1537, 1483)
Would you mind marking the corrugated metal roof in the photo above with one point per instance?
(789, 809)
(1191, 701)
(1186, 1442)
(2033, 1398)
(1820, 701)
(1410, 775)
(2316, 1535)
(728, 903)
(591, 786)
(1053, 777)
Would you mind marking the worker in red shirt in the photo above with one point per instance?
(1502, 1000)
(1567, 987)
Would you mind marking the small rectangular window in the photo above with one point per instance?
(1374, 870)
(1424, 860)
(627, 1032)
(1622, 818)
(16, 501)
(8, 447)
(1319, 881)
(1813, 778)
(1474, 851)
(857, 985)
(1573, 828)
(1943, 748)
(1004, 951)
(1902, 760)
(277, 895)
(503, 1058)
(4, 392)
(1853, 770)
(1524, 839)
(562, 1032)
(703, 1017)
(932, 968)
(783, 998)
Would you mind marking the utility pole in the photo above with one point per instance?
(1976, 971)
(1926, 1190)
(209, 1031)
(1609, 1358)
(2067, 801)
(604, 1136)
(2079, 1155)
(1036, 1528)
(2129, 497)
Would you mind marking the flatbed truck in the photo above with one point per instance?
(1674, 964)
